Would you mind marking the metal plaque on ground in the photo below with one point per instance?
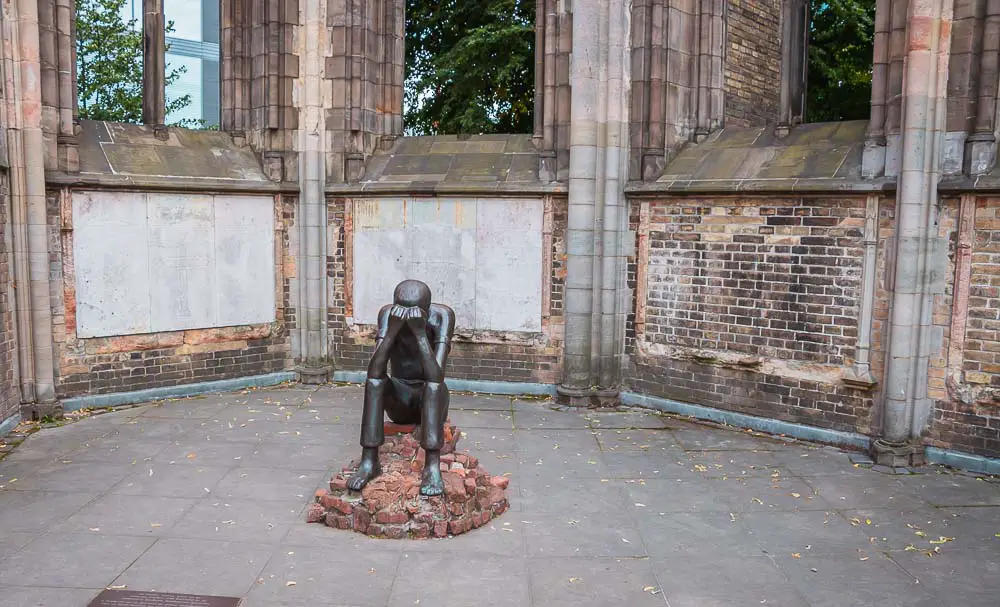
(130, 598)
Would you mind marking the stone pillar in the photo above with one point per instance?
(920, 257)
(598, 169)
(366, 73)
(794, 64)
(311, 346)
(554, 33)
(29, 225)
(882, 142)
(57, 53)
(677, 79)
(154, 32)
(981, 146)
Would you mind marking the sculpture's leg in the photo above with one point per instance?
(434, 413)
(377, 388)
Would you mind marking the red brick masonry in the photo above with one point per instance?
(391, 506)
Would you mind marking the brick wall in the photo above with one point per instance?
(967, 399)
(512, 357)
(753, 62)
(9, 396)
(750, 305)
(137, 362)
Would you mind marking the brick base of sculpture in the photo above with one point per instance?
(390, 506)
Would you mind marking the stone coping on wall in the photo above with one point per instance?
(483, 160)
(811, 158)
(138, 152)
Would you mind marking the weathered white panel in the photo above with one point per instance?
(481, 257)
(244, 274)
(509, 238)
(110, 254)
(168, 262)
(181, 261)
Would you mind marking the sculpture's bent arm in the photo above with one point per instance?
(442, 343)
(384, 337)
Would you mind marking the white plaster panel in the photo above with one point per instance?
(509, 239)
(181, 256)
(110, 254)
(172, 262)
(244, 274)
(481, 257)
(381, 261)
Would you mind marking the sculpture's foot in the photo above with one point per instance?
(368, 469)
(431, 483)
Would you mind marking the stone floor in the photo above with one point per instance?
(207, 496)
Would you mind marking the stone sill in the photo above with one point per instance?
(169, 184)
(410, 188)
(753, 186)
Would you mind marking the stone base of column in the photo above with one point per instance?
(587, 398)
(34, 412)
(314, 375)
(897, 455)
(980, 153)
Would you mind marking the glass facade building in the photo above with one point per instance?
(194, 44)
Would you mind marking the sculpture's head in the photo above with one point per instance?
(412, 294)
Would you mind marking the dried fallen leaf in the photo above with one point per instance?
(796, 555)
(942, 540)
(289, 583)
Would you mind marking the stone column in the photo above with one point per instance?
(154, 102)
(553, 34)
(919, 257)
(29, 225)
(598, 169)
(980, 147)
(311, 342)
(794, 64)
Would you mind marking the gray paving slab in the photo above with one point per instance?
(192, 566)
(603, 534)
(72, 560)
(725, 581)
(594, 582)
(28, 596)
(607, 508)
(127, 515)
(426, 578)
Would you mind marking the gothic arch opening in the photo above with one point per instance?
(110, 56)
(470, 67)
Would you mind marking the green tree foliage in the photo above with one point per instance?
(109, 64)
(469, 66)
(840, 60)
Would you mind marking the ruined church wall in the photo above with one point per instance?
(9, 394)
(499, 261)
(965, 365)
(752, 304)
(166, 319)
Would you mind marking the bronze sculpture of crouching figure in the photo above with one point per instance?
(413, 340)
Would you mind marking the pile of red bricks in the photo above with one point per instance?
(390, 506)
